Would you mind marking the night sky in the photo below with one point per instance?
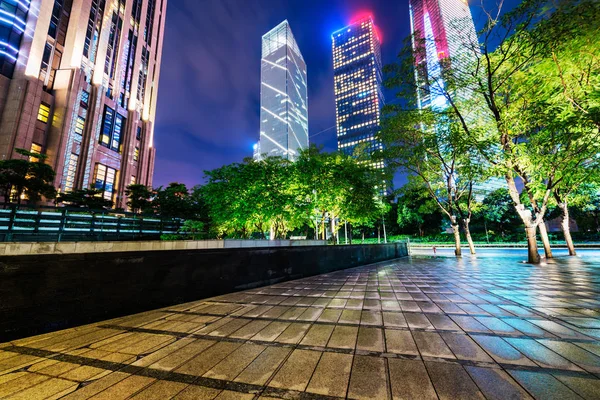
(209, 94)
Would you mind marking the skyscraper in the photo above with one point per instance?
(357, 86)
(445, 28)
(283, 96)
(78, 82)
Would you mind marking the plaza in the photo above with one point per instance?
(415, 327)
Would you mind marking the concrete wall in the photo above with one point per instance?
(46, 292)
(16, 249)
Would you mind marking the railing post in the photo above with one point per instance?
(63, 221)
(11, 224)
(141, 225)
(118, 228)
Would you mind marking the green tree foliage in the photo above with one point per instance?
(417, 211)
(86, 198)
(28, 177)
(498, 212)
(139, 198)
(173, 201)
(276, 196)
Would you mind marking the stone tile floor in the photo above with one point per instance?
(411, 328)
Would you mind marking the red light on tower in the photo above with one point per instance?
(364, 14)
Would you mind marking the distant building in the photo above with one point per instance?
(358, 87)
(283, 96)
(446, 29)
(78, 82)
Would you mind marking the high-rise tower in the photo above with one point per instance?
(442, 29)
(357, 85)
(283, 96)
(78, 82)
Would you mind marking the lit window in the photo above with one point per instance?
(37, 149)
(112, 126)
(79, 126)
(136, 154)
(71, 170)
(105, 178)
(43, 113)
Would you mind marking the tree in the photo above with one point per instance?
(86, 198)
(511, 98)
(173, 201)
(139, 198)
(417, 211)
(31, 178)
(498, 210)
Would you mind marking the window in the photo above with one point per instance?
(138, 133)
(132, 180)
(105, 178)
(79, 127)
(136, 154)
(85, 99)
(43, 113)
(35, 148)
(112, 127)
(71, 170)
(116, 137)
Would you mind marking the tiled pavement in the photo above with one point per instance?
(421, 328)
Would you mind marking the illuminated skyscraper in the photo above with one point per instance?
(446, 29)
(357, 85)
(283, 96)
(78, 82)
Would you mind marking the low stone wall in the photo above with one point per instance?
(45, 292)
(15, 249)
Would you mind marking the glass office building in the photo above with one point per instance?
(446, 29)
(358, 89)
(283, 96)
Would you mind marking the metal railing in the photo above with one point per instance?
(68, 224)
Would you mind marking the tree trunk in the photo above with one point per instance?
(525, 215)
(363, 236)
(545, 239)
(378, 235)
(469, 238)
(533, 256)
(566, 228)
(333, 232)
(456, 230)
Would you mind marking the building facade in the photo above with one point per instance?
(78, 82)
(442, 30)
(283, 96)
(358, 88)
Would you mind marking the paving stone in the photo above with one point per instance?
(588, 387)
(417, 321)
(431, 344)
(409, 380)
(501, 351)
(343, 337)
(543, 385)
(180, 356)
(496, 384)
(293, 333)
(263, 367)
(331, 375)
(193, 392)
(124, 388)
(235, 362)
(271, 331)
(394, 319)
(451, 381)
(160, 390)
(198, 365)
(250, 329)
(368, 379)
(400, 342)
(297, 370)
(464, 348)
(318, 335)
(541, 355)
(370, 339)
